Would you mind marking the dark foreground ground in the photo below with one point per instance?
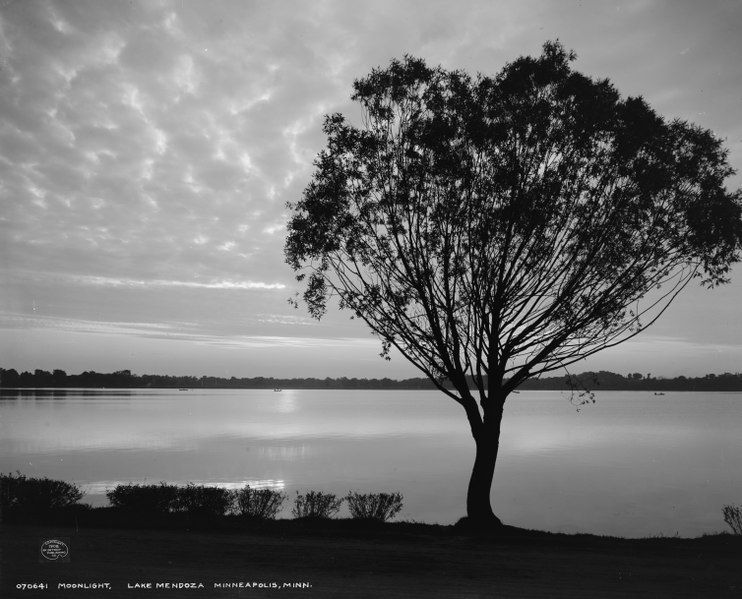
(351, 559)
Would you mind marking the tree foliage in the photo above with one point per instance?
(30, 494)
(374, 506)
(511, 225)
(316, 504)
(259, 503)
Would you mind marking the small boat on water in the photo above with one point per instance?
(184, 389)
(658, 393)
(276, 390)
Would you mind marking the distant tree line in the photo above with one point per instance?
(594, 381)
(610, 381)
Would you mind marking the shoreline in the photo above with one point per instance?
(345, 558)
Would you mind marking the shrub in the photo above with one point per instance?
(259, 503)
(316, 504)
(36, 494)
(733, 517)
(199, 499)
(374, 506)
(144, 498)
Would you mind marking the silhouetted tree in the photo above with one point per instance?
(9, 378)
(42, 378)
(59, 377)
(497, 228)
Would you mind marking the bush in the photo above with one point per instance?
(17, 492)
(733, 517)
(315, 504)
(374, 506)
(258, 503)
(144, 498)
(198, 499)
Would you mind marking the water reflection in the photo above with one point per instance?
(285, 452)
(58, 393)
(631, 464)
(287, 401)
(99, 488)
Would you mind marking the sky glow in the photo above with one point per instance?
(148, 149)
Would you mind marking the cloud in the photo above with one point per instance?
(189, 331)
(146, 144)
(147, 150)
(118, 282)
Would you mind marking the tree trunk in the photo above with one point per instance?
(487, 440)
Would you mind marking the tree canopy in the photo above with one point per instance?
(509, 225)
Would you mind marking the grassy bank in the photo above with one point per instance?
(345, 558)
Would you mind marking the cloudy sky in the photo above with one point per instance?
(147, 150)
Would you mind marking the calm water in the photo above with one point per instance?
(632, 464)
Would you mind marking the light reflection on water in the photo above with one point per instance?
(100, 487)
(632, 464)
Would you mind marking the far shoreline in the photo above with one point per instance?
(10, 379)
(48, 390)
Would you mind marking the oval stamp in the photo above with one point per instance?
(55, 550)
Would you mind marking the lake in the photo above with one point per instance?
(632, 464)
